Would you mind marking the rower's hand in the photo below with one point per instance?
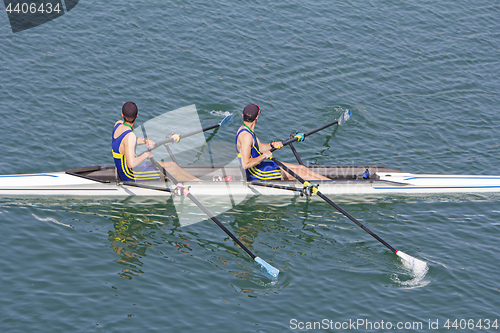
(267, 154)
(149, 154)
(149, 143)
(277, 144)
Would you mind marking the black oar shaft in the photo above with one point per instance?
(219, 223)
(185, 135)
(291, 140)
(204, 209)
(321, 128)
(170, 153)
(294, 151)
(350, 217)
(334, 205)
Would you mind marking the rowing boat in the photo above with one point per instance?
(225, 183)
(101, 181)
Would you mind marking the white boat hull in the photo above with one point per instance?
(385, 181)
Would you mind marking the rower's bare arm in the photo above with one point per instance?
(132, 160)
(264, 146)
(245, 144)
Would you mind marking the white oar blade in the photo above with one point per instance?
(273, 271)
(344, 117)
(418, 266)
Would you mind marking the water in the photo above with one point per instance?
(420, 78)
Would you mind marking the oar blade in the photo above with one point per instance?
(272, 271)
(228, 120)
(418, 266)
(344, 117)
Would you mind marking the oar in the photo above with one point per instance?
(411, 262)
(294, 151)
(272, 271)
(414, 263)
(177, 137)
(301, 136)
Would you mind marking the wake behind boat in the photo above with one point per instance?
(102, 181)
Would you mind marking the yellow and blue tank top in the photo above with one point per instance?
(265, 170)
(144, 171)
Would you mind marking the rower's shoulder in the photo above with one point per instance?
(243, 132)
(121, 129)
(245, 139)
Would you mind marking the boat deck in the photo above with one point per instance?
(207, 173)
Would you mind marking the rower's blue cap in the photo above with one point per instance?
(129, 110)
(251, 111)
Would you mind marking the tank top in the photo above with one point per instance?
(144, 171)
(265, 170)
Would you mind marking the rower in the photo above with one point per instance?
(130, 166)
(255, 157)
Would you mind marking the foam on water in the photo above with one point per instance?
(418, 269)
(51, 219)
(220, 113)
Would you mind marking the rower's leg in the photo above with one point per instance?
(177, 172)
(303, 172)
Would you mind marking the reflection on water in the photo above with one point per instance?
(127, 241)
(140, 226)
(290, 233)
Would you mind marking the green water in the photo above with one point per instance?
(420, 78)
